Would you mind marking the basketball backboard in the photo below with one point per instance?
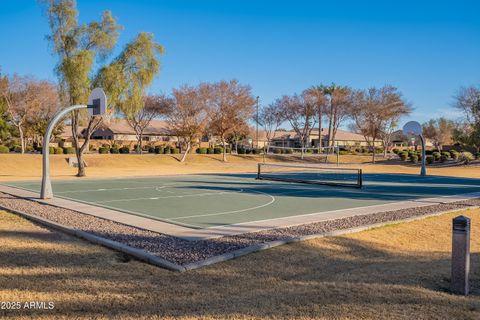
(97, 102)
(412, 128)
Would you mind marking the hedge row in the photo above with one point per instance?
(216, 150)
(435, 156)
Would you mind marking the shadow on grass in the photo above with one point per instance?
(340, 277)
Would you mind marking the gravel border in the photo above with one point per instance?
(192, 254)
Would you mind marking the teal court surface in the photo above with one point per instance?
(221, 204)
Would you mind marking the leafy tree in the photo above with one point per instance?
(78, 47)
(439, 131)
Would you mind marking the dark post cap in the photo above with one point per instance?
(461, 223)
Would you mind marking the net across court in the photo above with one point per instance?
(213, 200)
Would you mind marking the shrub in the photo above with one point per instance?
(218, 150)
(51, 150)
(454, 154)
(343, 153)
(466, 157)
(414, 158)
(202, 150)
(277, 151)
(364, 150)
(477, 155)
(69, 150)
(114, 150)
(242, 151)
(428, 152)
(28, 148)
(159, 150)
(289, 151)
(124, 150)
(378, 150)
(429, 159)
(436, 156)
(17, 149)
(210, 151)
(103, 150)
(4, 149)
(58, 150)
(106, 145)
(167, 150)
(443, 158)
(403, 155)
(175, 150)
(395, 150)
(151, 149)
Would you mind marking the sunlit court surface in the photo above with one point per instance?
(213, 200)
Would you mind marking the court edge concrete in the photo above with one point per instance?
(229, 230)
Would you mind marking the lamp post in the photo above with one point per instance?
(256, 132)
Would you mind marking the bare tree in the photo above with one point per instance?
(374, 110)
(317, 95)
(229, 104)
(26, 99)
(153, 106)
(301, 114)
(439, 131)
(467, 101)
(270, 118)
(188, 115)
(338, 103)
(241, 131)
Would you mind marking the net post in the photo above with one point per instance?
(360, 178)
(258, 171)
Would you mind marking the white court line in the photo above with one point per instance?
(104, 189)
(230, 212)
(177, 196)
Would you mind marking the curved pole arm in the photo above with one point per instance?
(46, 191)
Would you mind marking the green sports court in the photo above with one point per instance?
(215, 200)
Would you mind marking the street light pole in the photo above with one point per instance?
(256, 134)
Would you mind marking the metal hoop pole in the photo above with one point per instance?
(423, 171)
(46, 191)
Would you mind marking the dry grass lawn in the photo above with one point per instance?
(399, 271)
(29, 166)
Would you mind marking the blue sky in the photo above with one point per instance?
(428, 49)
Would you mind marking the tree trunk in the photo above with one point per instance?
(303, 144)
(319, 132)
(373, 151)
(22, 138)
(385, 148)
(224, 150)
(78, 149)
(184, 157)
(330, 120)
(139, 143)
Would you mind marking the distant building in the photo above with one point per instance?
(120, 130)
(291, 139)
